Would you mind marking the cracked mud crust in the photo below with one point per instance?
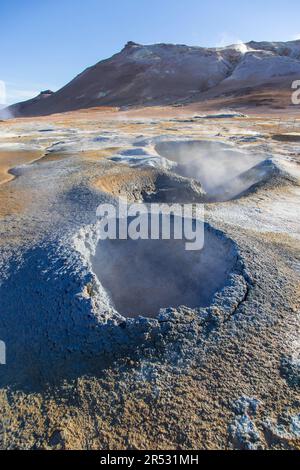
(81, 376)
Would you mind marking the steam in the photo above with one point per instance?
(143, 276)
(5, 112)
(241, 47)
(227, 40)
(9, 94)
(223, 172)
(2, 93)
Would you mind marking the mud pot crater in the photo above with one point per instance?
(223, 171)
(140, 277)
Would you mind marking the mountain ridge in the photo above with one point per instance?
(164, 74)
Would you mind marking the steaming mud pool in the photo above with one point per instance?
(144, 276)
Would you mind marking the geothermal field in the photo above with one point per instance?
(143, 344)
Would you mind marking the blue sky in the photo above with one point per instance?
(45, 43)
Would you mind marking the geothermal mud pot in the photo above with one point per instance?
(223, 171)
(143, 276)
(202, 171)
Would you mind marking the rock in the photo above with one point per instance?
(286, 431)
(290, 371)
(243, 433)
(57, 439)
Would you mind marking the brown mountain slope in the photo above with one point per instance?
(168, 74)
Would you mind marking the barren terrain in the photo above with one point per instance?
(102, 361)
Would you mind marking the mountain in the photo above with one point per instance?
(169, 74)
(22, 107)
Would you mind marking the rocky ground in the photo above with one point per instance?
(224, 375)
